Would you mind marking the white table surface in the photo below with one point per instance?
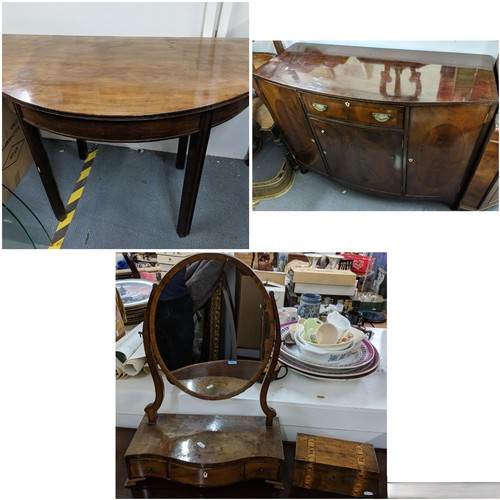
(345, 409)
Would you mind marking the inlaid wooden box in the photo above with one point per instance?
(335, 466)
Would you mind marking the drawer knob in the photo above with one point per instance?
(319, 107)
(410, 160)
(381, 117)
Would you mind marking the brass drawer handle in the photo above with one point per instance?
(319, 107)
(381, 117)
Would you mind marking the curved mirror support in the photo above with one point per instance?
(211, 326)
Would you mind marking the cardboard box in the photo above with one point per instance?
(325, 289)
(272, 276)
(335, 466)
(324, 276)
(16, 156)
(246, 257)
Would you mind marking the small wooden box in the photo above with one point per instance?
(335, 466)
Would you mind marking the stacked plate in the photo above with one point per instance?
(355, 365)
(135, 295)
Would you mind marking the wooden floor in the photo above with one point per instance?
(249, 489)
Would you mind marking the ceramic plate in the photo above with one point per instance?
(362, 357)
(354, 374)
(134, 292)
(322, 374)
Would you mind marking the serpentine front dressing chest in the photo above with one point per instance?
(407, 124)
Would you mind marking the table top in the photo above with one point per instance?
(124, 76)
(387, 75)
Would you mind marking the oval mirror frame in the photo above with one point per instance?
(150, 342)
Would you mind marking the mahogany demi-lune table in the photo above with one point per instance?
(125, 89)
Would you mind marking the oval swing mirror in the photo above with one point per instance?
(211, 326)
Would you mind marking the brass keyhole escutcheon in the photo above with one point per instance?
(205, 474)
(347, 104)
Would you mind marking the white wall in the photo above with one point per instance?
(223, 19)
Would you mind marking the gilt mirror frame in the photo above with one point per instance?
(267, 363)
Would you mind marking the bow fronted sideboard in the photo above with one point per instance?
(405, 124)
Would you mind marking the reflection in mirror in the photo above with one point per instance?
(211, 328)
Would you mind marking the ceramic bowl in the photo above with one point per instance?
(321, 355)
(304, 339)
(328, 334)
(284, 317)
(311, 325)
(356, 335)
(295, 328)
(341, 322)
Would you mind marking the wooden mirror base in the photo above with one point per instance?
(205, 450)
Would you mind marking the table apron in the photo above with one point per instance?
(129, 130)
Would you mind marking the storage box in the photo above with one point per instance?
(373, 306)
(336, 290)
(246, 257)
(361, 264)
(324, 276)
(272, 276)
(16, 156)
(335, 466)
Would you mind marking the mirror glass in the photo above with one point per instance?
(210, 326)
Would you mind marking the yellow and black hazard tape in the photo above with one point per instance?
(62, 228)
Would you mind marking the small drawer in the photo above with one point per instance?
(262, 470)
(209, 476)
(354, 111)
(148, 468)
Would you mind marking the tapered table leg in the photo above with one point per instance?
(194, 168)
(83, 150)
(43, 165)
(181, 152)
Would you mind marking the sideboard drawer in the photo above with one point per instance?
(148, 468)
(354, 111)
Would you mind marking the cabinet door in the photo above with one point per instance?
(441, 142)
(482, 192)
(286, 109)
(368, 158)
